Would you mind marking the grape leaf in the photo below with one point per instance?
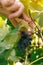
(41, 20)
(26, 4)
(3, 62)
(36, 6)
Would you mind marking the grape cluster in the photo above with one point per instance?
(24, 42)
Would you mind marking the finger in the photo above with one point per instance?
(7, 2)
(14, 23)
(17, 13)
(13, 8)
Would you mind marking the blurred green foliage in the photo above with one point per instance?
(9, 37)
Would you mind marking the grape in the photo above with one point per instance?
(25, 41)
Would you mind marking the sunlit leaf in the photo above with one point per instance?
(35, 6)
(26, 5)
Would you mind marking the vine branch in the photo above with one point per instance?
(32, 24)
(36, 61)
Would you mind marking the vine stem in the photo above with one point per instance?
(39, 30)
(30, 22)
(36, 61)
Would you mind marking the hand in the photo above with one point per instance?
(11, 8)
